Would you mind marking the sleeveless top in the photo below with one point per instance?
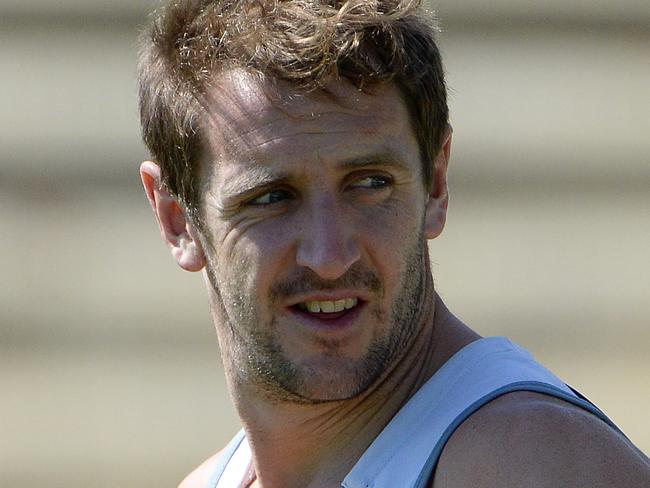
(406, 452)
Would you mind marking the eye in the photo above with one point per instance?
(271, 197)
(373, 182)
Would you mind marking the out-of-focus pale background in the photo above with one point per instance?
(109, 368)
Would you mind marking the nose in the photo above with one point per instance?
(328, 244)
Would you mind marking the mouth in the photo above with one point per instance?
(328, 309)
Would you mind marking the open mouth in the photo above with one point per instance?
(328, 309)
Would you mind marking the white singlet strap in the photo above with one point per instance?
(406, 452)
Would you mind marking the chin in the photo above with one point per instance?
(335, 379)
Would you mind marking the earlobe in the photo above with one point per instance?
(438, 197)
(175, 228)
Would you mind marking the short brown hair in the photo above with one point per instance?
(302, 41)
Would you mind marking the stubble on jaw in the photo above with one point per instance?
(256, 358)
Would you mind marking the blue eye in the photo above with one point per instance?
(271, 197)
(372, 182)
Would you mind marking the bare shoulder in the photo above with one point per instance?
(200, 477)
(531, 440)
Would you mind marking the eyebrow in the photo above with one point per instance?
(385, 158)
(254, 179)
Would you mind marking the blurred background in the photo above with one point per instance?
(109, 366)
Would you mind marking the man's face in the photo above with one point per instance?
(314, 214)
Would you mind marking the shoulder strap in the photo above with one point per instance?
(233, 463)
(407, 450)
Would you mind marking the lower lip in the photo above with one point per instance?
(330, 321)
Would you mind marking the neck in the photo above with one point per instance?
(316, 445)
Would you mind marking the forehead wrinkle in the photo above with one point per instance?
(283, 124)
(264, 136)
(278, 140)
(241, 139)
(265, 146)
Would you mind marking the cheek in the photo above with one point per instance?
(388, 236)
(391, 226)
(257, 254)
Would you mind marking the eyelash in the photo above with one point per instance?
(386, 181)
(286, 193)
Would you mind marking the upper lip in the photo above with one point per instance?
(324, 296)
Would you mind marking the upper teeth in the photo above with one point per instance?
(329, 306)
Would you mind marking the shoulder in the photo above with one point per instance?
(531, 440)
(200, 477)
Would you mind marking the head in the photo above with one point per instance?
(300, 157)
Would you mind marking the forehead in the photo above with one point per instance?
(254, 123)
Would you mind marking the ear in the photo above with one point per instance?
(176, 229)
(438, 198)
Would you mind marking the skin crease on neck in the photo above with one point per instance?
(312, 197)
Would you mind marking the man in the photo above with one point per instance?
(300, 156)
